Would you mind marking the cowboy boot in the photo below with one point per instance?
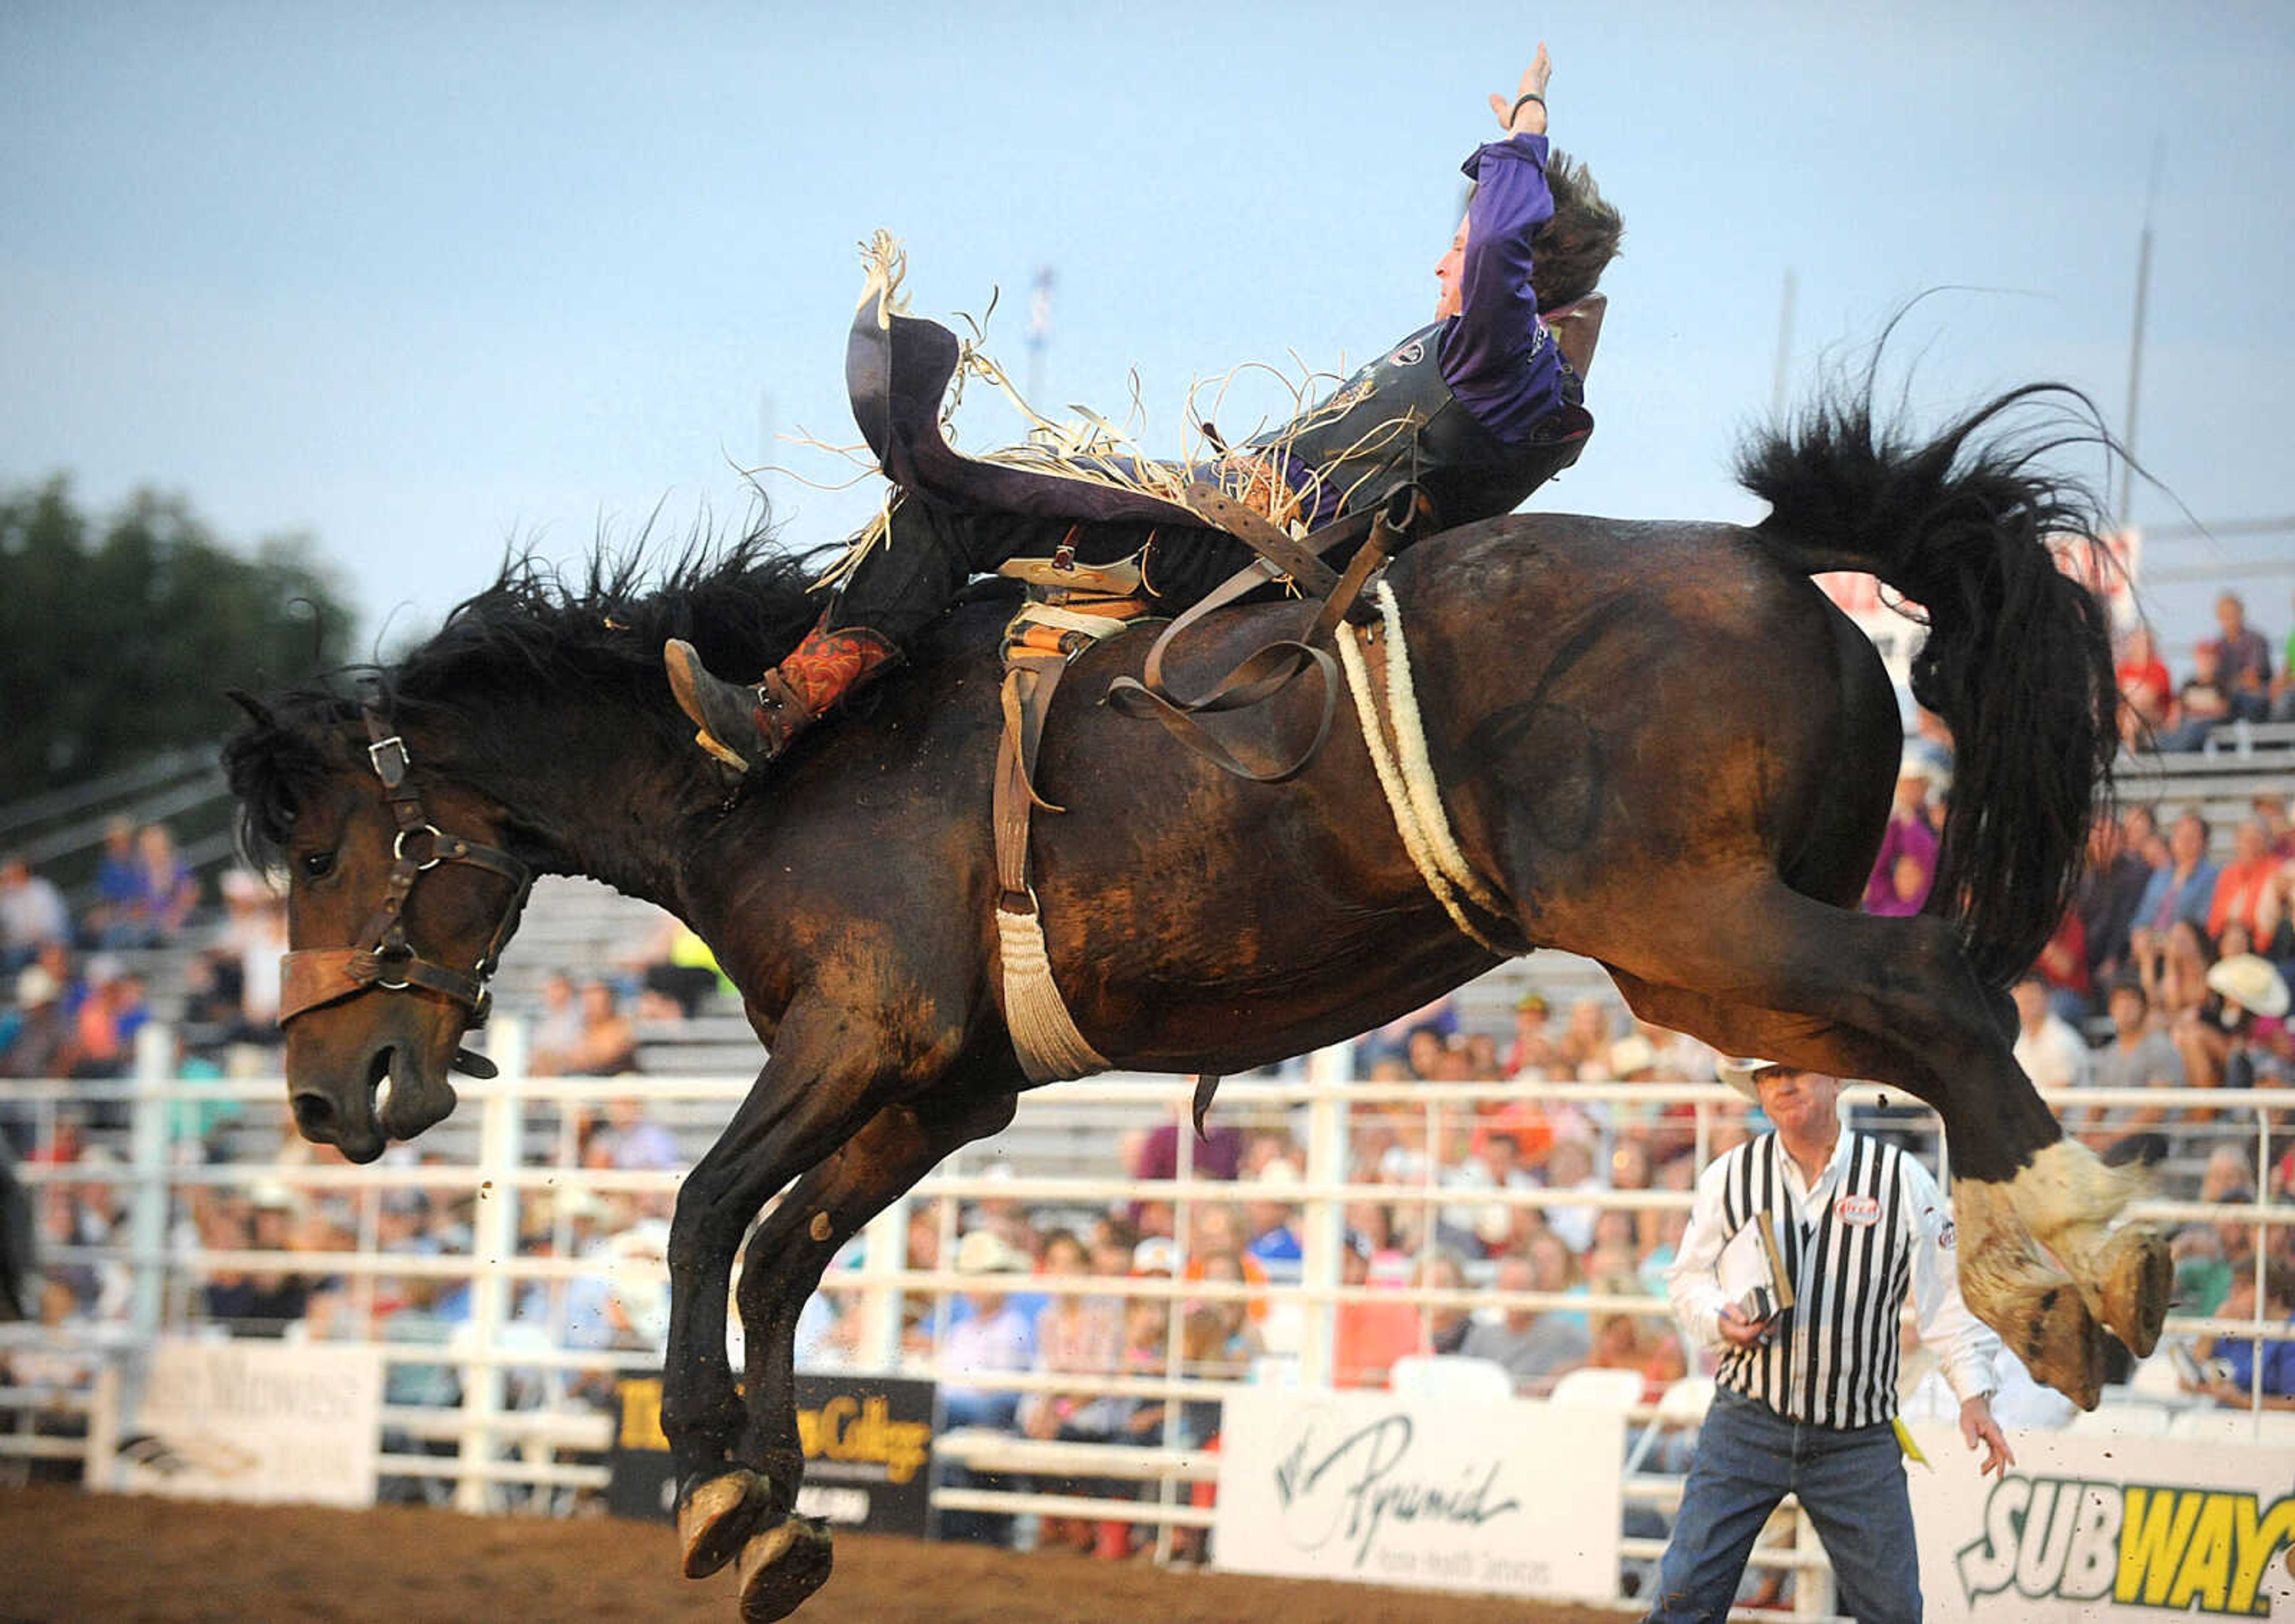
(745, 727)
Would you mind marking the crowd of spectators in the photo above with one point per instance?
(2231, 679)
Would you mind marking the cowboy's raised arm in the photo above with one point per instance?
(1496, 357)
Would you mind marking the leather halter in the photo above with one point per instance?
(383, 957)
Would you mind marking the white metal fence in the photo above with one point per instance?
(490, 1409)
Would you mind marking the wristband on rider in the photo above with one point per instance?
(1518, 100)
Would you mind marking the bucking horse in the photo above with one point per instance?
(1658, 745)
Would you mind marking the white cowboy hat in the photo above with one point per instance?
(1630, 1054)
(2250, 981)
(984, 1252)
(35, 986)
(1743, 1073)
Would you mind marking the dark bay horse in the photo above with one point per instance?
(1658, 743)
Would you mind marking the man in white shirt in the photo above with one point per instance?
(2052, 1054)
(1806, 1397)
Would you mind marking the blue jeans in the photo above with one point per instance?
(1851, 1484)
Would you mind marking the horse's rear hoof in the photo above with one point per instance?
(2139, 1277)
(715, 1518)
(782, 1566)
(2063, 1347)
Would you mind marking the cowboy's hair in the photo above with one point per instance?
(1571, 250)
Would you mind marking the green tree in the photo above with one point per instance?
(119, 635)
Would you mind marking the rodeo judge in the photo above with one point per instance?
(1807, 1394)
(1477, 410)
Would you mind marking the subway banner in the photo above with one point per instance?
(868, 1452)
(1517, 1497)
(2094, 1528)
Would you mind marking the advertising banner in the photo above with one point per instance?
(2098, 1528)
(261, 1421)
(1517, 1497)
(868, 1452)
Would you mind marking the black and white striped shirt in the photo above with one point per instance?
(1872, 1233)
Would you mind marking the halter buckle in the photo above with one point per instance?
(393, 772)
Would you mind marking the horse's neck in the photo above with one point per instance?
(604, 788)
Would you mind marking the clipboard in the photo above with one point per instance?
(1750, 1270)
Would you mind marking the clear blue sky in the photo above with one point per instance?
(421, 280)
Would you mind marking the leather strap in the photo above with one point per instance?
(1267, 671)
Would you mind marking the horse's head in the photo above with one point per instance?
(400, 897)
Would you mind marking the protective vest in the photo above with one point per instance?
(1395, 421)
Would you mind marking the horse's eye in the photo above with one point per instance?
(318, 865)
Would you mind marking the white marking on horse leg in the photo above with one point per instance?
(2013, 1287)
(2071, 1198)
(2068, 1187)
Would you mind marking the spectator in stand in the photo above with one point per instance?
(2242, 660)
(2140, 829)
(2140, 1056)
(2063, 969)
(1571, 1168)
(32, 914)
(993, 1336)
(2275, 917)
(1447, 1323)
(2202, 1276)
(1909, 835)
(1274, 1222)
(1217, 1155)
(608, 1046)
(2186, 886)
(254, 933)
(678, 971)
(2051, 1052)
(1368, 1336)
(1392, 1041)
(1585, 1037)
(118, 881)
(2202, 703)
(2236, 1039)
(2174, 971)
(1530, 1053)
(166, 890)
(2232, 1376)
(2110, 887)
(628, 1141)
(2238, 896)
(110, 1013)
(1534, 1345)
(2282, 685)
(36, 1039)
(1080, 1336)
(2146, 691)
(2271, 811)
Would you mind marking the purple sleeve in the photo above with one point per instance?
(1496, 355)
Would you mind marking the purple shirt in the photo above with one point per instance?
(1906, 837)
(1496, 355)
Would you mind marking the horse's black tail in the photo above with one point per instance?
(2018, 658)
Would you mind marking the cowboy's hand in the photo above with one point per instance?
(1740, 1331)
(1517, 117)
(1977, 1426)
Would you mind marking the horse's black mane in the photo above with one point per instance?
(600, 628)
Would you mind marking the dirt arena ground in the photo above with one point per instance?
(65, 1555)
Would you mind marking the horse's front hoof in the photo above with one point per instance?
(2063, 1346)
(2139, 1278)
(782, 1566)
(715, 1517)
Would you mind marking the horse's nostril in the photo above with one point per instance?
(314, 1116)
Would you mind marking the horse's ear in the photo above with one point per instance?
(256, 709)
